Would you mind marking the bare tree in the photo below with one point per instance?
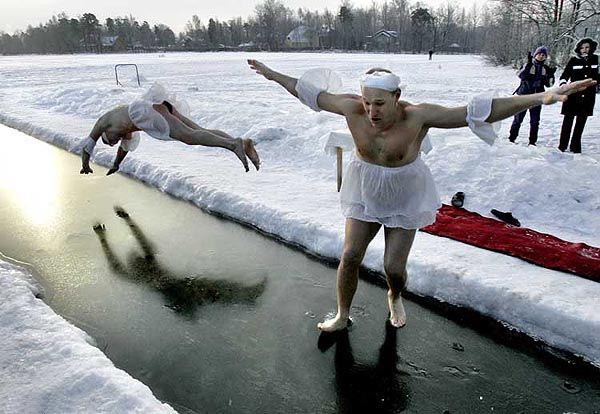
(555, 23)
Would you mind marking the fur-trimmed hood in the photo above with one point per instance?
(592, 42)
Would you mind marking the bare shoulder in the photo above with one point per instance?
(121, 109)
(342, 104)
(438, 116)
(116, 114)
(428, 109)
(417, 111)
(352, 97)
(425, 107)
(353, 102)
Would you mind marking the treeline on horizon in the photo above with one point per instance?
(504, 30)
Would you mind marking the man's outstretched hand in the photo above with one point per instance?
(260, 68)
(85, 169)
(561, 94)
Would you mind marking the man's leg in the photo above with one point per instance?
(398, 242)
(577, 132)
(516, 125)
(565, 132)
(534, 123)
(182, 132)
(249, 149)
(356, 239)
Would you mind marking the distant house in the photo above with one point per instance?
(113, 44)
(188, 43)
(382, 40)
(302, 37)
(454, 48)
(224, 48)
(138, 47)
(248, 47)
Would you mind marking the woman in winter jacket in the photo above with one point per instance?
(535, 76)
(580, 105)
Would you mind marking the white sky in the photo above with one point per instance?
(17, 15)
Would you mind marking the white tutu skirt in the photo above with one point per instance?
(147, 118)
(403, 196)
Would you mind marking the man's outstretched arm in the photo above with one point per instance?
(436, 116)
(286, 81)
(88, 148)
(121, 153)
(335, 103)
(85, 163)
(504, 107)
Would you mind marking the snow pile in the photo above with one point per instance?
(50, 366)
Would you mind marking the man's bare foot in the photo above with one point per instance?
(238, 150)
(334, 324)
(251, 153)
(397, 314)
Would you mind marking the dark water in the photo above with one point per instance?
(216, 318)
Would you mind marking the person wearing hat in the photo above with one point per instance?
(581, 104)
(535, 75)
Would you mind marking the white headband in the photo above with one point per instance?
(381, 80)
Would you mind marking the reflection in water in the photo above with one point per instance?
(34, 188)
(183, 295)
(366, 388)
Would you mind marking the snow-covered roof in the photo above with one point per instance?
(109, 40)
(300, 34)
(386, 33)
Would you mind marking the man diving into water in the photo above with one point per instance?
(387, 183)
(160, 119)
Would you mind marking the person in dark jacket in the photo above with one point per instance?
(581, 104)
(535, 76)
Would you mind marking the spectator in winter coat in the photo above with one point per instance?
(535, 75)
(580, 105)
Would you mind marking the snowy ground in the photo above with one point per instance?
(50, 366)
(58, 98)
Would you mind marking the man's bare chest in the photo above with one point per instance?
(391, 145)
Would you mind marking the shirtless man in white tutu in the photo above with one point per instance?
(387, 184)
(159, 115)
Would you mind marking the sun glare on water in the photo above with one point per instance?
(28, 176)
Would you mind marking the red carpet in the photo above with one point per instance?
(538, 248)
